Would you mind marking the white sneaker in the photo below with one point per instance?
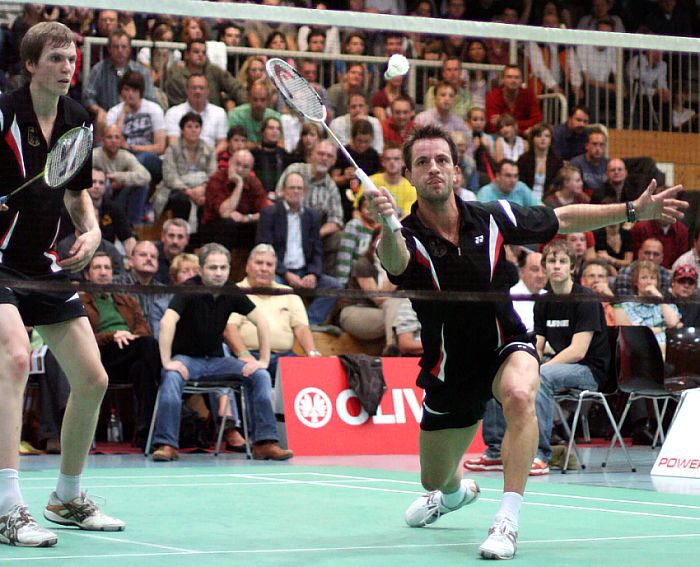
(17, 527)
(501, 543)
(429, 507)
(81, 512)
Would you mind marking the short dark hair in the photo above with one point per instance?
(117, 33)
(237, 131)
(134, 80)
(191, 42)
(315, 32)
(404, 98)
(193, 75)
(98, 254)
(428, 132)
(361, 127)
(582, 107)
(595, 130)
(505, 161)
(190, 117)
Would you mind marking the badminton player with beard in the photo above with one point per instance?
(32, 118)
(477, 350)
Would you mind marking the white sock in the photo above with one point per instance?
(452, 499)
(10, 494)
(510, 507)
(68, 487)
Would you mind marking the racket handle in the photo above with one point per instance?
(371, 191)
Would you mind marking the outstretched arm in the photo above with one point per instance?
(392, 249)
(660, 206)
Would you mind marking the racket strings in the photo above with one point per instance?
(67, 157)
(296, 91)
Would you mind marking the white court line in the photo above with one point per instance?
(531, 493)
(202, 475)
(563, 506)
(350, 548)
(122, 541)
(95, 487)
(348, 478)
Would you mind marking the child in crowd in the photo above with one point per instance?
(509, 145)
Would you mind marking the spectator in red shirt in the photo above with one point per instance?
(397, 126)
(514, 99)
(234, 199)
(673, 236)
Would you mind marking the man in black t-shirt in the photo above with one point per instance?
(476, 350)
(577, 334)
(32, 119)
(191, 337)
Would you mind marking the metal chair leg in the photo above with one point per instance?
(151, 429)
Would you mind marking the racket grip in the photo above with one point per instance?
(371, 191)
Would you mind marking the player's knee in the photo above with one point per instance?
(92, 385)
(18, 364)
(519, 402)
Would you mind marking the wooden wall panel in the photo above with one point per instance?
(681, 149)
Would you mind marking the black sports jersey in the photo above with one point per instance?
(28, 230)
(461, 340)
(203, 318)
(559, 321)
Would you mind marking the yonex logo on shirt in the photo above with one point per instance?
(479, 239)
(557, 322)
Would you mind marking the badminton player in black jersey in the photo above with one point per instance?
(32, 118)
(477, 350)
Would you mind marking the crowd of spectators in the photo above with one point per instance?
(200, 138)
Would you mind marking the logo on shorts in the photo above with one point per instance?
(479, 239)
(313, 407)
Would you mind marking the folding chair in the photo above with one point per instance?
(207, 385)
(682, 366)
(641, 375)
(597, 397)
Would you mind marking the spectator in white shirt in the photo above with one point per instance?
(214, 121)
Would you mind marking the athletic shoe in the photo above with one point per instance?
(539, 468)
(17, 527)
(483, 463)
(429, 507)
(501, 543)
(81, 512)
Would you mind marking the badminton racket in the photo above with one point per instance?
(301, 97)
(64, 161)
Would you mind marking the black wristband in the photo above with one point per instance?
(631, 213)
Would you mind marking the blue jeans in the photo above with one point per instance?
(153, 164)
(321, 307)
(258, 387)
(132, 200)
(553, 378)
(274, 357)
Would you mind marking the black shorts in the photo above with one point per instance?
(41, 308)
(462, 404)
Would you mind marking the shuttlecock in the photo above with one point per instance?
(398, 65)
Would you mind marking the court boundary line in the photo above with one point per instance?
(348, 478)
(276, 551)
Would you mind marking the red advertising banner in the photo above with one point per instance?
(323, 416)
